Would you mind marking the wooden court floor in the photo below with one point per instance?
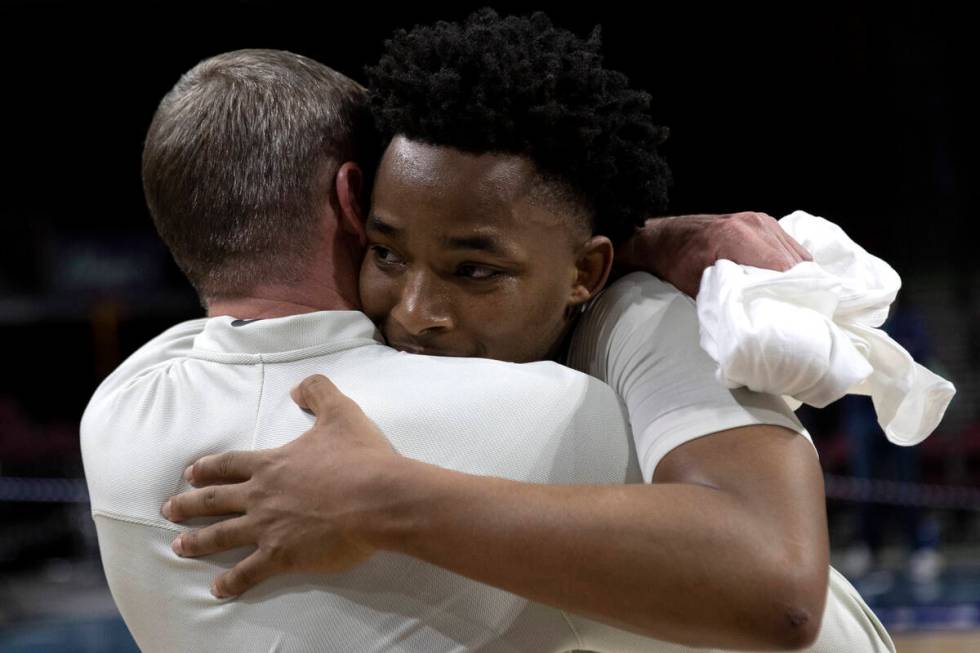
(938, 642)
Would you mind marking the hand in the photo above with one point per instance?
(680, 248)
(309, 505)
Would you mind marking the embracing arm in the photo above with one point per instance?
(678, 249)
(707, 556)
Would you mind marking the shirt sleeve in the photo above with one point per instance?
(641, 337)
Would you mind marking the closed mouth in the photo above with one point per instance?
(424, 351)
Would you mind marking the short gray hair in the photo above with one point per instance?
(239, 162)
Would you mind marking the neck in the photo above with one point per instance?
(329, 283)
(279, 301)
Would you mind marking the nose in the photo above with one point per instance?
(423, 308)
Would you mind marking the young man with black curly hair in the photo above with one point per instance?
(507, 180)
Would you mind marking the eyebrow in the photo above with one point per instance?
(476, 242)
(377, 224)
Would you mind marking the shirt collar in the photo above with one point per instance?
(283, 334)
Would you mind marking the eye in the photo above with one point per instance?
(477, 272)
(385, 256)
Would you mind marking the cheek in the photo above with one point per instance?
(529, 323)
(377, 291)
(552, 302)
(546, 303)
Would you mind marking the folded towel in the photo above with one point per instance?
(811, 333)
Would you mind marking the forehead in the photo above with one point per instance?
(474, 190)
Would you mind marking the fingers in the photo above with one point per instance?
(228, 467)
(318, 395)
(799, 249)
(790, 251)
(784, 252)
(245, 575)
(225, 535)
(761, 242)
(210, 501)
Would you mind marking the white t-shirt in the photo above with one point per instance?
(640, 335)
(207, 386)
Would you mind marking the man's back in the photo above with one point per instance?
(215, 385)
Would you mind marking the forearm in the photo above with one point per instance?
(678, 562)
(639, 253)
(728, 548)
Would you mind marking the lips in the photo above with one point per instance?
(425, 351)
(411, 349)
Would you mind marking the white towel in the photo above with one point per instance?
(811, 333)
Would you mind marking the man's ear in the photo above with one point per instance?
(592, 264)
(349, 182)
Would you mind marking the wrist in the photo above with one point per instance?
(642, 251)
(403, 492)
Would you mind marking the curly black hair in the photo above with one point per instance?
(520, 85)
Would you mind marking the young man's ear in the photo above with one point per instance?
(349, 185)
(593, 264)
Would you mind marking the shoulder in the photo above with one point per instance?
(137, 371)
(174, 343)
(637, 312)
(638, 290)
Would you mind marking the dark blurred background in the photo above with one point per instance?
(864, 114)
